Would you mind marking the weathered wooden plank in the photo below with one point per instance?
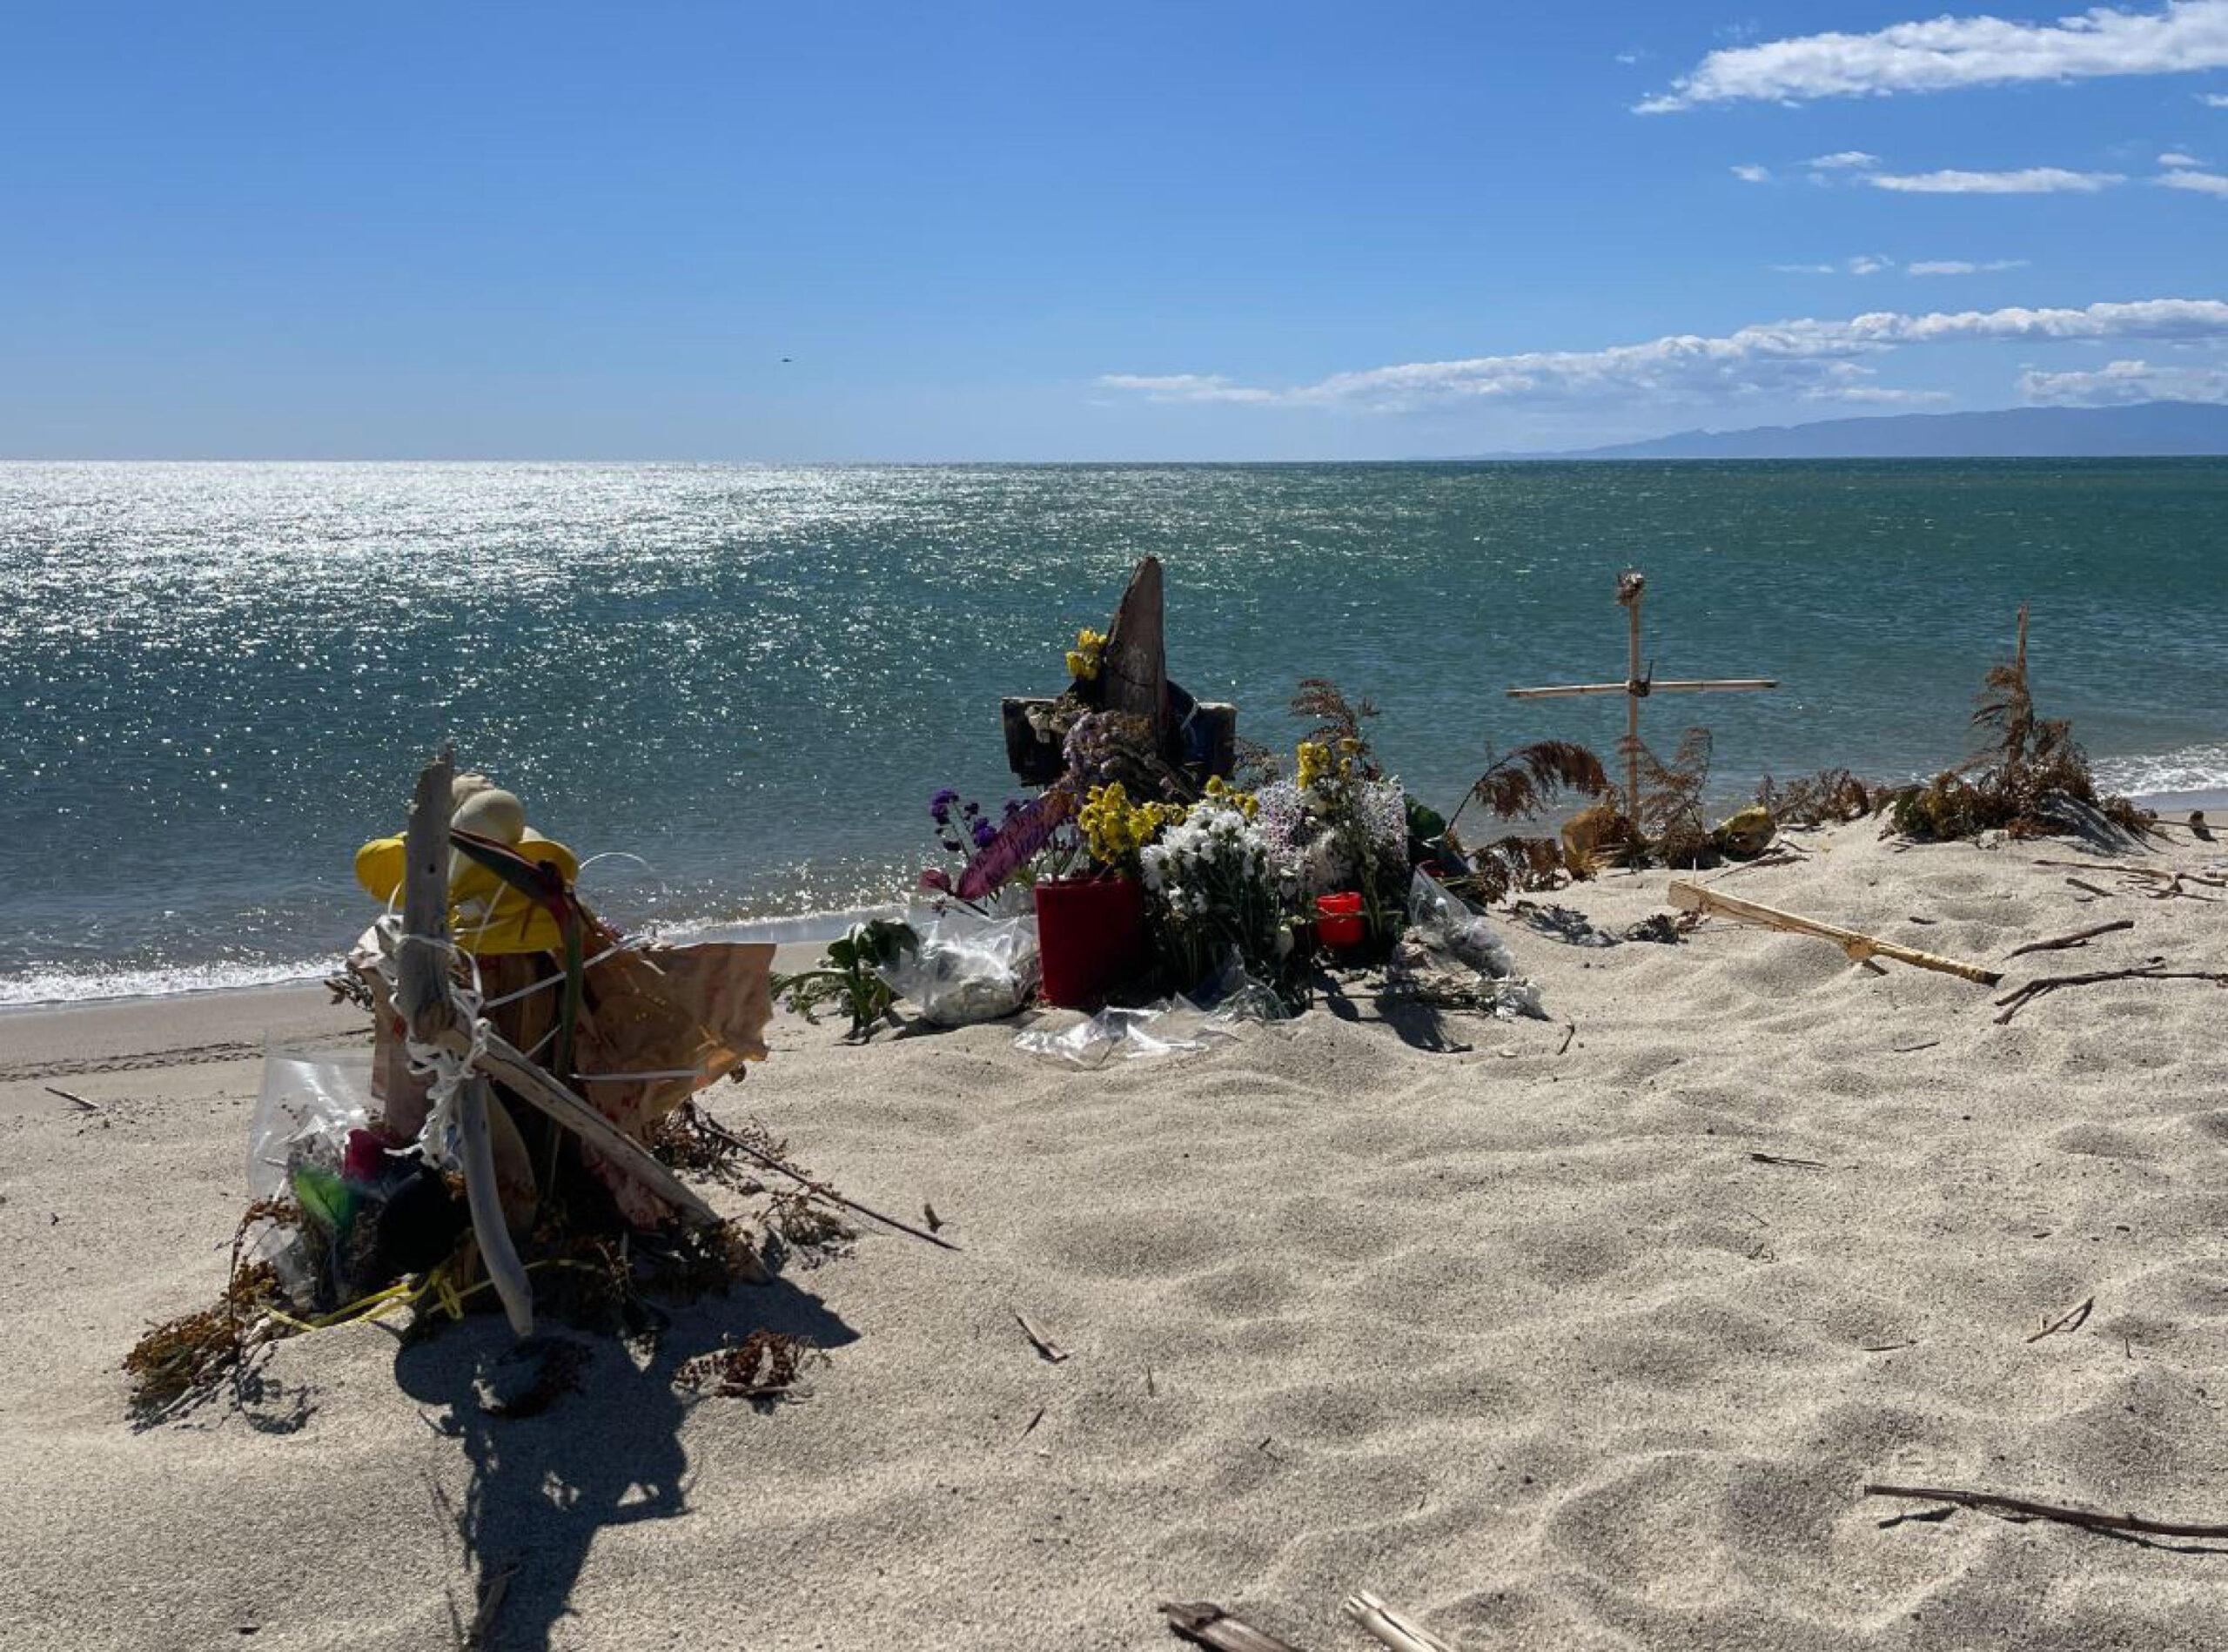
(1694, 898)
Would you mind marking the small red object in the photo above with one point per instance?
(1338, 923)
(1091, 933)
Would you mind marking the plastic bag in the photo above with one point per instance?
(372, 1210)
(1451, 957)
(968, 969)
(1170, 1026)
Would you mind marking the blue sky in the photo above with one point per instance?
(1143, 231)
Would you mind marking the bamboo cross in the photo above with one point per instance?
(1638, 685)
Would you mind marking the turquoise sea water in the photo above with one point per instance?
(216, 680)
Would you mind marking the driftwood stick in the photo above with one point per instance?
(2066, 1323)
(1053, 1351)
(766, 1161)
(1861, 948)
(2150, 969)
(1203, 1623)
(1380, 1622)
(2022, 1508)
(422, 992)
(76, 1101)
(2079, 938)
(2090, 889)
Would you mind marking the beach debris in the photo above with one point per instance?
(764, 1364)
(2090, 889)
(2022, 1508)
(2079, 938)
(1392, 1628)
(1569, 1032)
(1203, 1623)
(965, 968)
(1913, 1049)
(2029, 778)
(2071, 1321)
(2157, 884)
(1051, 1351)
(1830, 797)
(762, 1150)
(1861, 948)
(1639, 684)
(928, 1215)
(532, 1376)
(1665, 928)
(1792, 1164)
(2150, 969)
(478, 1634)
(1564, 923)
(1033, 1421)
(75, 1100)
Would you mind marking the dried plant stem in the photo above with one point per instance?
(2152, 969)
(2079, 938)
(2021, 1507)
(728, 1138)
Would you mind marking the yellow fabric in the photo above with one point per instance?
(486, 915)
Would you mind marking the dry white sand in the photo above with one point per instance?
(1526, 1341)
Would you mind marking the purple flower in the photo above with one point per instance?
(939, 805)
(985, 834)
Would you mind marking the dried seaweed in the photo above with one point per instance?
(764, 1365)
(1829, 797)
(1525, 781)
(183, 1359)
(2028, 776)
(1672, 829)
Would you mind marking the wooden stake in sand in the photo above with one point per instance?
(421, 993)
(1638, 685)
(1861, 948)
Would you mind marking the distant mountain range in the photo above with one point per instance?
(2147, 429)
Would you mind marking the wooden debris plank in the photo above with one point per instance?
(1694, 898)
(1203, 1623)
(1382, 1623)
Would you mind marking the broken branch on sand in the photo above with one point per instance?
(2150, 969)
(727, 1139)
(2019, 1507)
(1206, 1624)
(1380, 1622)
(2066, 1323)
(2079, 938)
(1861, 948)
(1051, 1351)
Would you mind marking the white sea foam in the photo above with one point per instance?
(2191, 769)
(59, 986)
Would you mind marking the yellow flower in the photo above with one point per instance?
(1083, 658)
(1314, 762)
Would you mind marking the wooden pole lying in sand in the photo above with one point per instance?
(1637, 686)
(1861, 948)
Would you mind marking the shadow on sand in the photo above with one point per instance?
(544, 1484)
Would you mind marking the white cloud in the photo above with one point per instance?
(1864, 264)
(1752, 174)
(1943, 54)
(1811, 359)
(2030, 180)
(2200, 183)
(2213, 99)
(2124, 381)
(1962, 267)
(1843, 160)
(2175, 158)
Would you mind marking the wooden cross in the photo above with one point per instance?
(1638, 685)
